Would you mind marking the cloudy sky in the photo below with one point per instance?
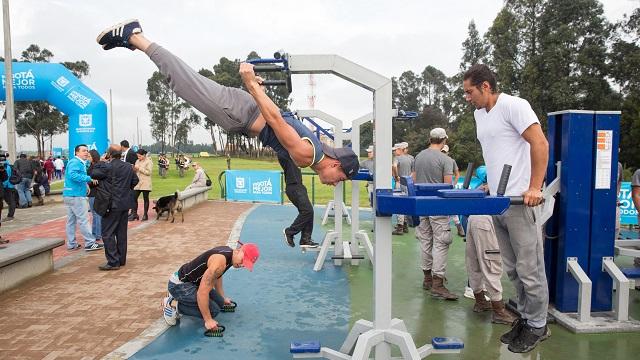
(386, 36)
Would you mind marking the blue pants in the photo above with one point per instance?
(77, 210)
(96, 223)
(186, 295)
(24, 191)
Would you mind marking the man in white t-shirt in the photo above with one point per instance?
(58, 164)
(510, 133)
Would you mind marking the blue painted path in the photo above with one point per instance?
(283, 299)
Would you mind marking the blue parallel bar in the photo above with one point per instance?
(388, 204)
(603, 212)
(265, 61)
(423, 189)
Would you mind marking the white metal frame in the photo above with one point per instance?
(347, 249)
(584, 288)
(384, 331)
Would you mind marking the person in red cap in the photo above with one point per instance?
(196, 288)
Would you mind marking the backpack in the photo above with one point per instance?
(16, 176)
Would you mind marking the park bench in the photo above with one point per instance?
(194, 196)
(26, 259)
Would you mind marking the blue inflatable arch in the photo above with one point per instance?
(58, 86)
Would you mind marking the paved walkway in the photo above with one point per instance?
(78, 312)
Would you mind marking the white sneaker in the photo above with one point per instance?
(468, 293)
(169, 313)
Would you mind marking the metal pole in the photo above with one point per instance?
(113, 139)
(8, 73)
(138, 131)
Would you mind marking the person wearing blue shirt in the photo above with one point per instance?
(10, 193)
(75, 200)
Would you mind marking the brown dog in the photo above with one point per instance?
(169, 204)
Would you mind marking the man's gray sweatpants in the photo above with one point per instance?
(232, 109)
(520, 240)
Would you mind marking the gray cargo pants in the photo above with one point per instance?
(520, 240)
(232, 109)
(434, 235)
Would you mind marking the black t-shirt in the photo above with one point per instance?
(194, 269)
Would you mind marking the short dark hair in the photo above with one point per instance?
(480, 73)
(124, 143)
(75, 149)
(142, 152)
(437, 140)
(23, 156)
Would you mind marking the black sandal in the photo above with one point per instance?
(229, 307)
(217, 332)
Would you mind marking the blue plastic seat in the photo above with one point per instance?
(298, 347)
(631, 273)
(447, 343)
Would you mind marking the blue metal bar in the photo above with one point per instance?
(388, 204)
(320, 128)
(406, 115)
(363, 175)
(267, 61)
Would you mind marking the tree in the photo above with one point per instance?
(38, 118)
(171, 117)
(463, 143)
(625, 70)
(226, 73)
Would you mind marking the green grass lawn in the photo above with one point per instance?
(318, 193)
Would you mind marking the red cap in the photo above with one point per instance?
(251, 254)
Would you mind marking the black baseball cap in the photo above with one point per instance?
(348, 159)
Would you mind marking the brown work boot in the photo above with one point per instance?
(428, 280)
(460, 230)
(398, 230)
(501, 315)
(405, 228)
(481, 303)
(439, 291)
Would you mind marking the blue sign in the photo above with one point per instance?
(628, 212)
(57, 151)
(55, 84)
(253, 185)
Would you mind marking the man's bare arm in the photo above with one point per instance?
(300, 150)
(218, 286)
(539, 159)
(448, 178)
(215, 268)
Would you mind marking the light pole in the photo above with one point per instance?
(8, 75)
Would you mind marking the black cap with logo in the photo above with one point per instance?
(348, 159)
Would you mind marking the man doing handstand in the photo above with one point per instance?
(236, 111)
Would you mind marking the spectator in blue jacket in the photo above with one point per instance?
(75, 199)
(10, 193)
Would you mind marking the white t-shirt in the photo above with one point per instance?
(500, 134)
(58, 164)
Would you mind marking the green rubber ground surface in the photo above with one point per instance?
(426, 317)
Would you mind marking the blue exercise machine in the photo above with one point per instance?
(580, 236)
